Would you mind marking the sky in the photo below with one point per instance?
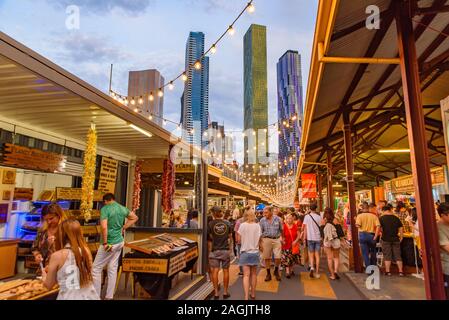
(152, 34)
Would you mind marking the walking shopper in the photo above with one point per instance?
(392, 234)
(311, 233)
(114, 219)
(271, 227)
(71, 265)
(290, 247)
(443, 234)
(249, 235)
(219, 234)
(331, 243)
(368, 225)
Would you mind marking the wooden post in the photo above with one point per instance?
(330, 188)
(419, 154)
(351, 191)
(320, 191)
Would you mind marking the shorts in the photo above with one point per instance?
(391, 251)
(249, 259)
(219, 259)
(313, 246)
(271, 246)
(334, 244)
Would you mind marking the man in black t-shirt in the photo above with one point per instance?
(219, 235)
(392, 234)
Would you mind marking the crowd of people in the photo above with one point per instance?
(65, 258)
(283, 238)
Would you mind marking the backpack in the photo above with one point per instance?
(340, 231)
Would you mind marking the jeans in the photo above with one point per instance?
(111, 260)
(368, 246)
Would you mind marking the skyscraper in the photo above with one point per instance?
(195, 99)
(255, 97)
(140, 85)
(289, 84)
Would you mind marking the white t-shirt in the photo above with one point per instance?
(250, 235)
(313, 231)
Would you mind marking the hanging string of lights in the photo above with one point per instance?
(134, 100)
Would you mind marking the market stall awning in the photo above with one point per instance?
(37, 95)
(373, 92)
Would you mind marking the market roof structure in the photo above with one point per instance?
(372, 92)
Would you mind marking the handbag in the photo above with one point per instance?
(295, 248)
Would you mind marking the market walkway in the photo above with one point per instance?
(299, 287)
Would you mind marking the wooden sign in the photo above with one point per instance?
(9, 176)
(177, 263)
(145, 265)
(191, 253)
(75, 194)
(34, 159)
(184, 168)
(23, 194)
(108, 175)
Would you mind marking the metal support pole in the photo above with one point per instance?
(419, 154)
(202, 206)
(330, 188)
(351, 192)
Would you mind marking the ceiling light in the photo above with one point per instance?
(148, 134)
(394, 151)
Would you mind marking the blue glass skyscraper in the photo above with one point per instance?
(290, 104)
(195, 99)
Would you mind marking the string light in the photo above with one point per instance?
(151, 97)
(171, 86)
(184, 77)
(140, 100)
(251, 7)
(231, 30)
(160, 93)
(197, 65)
(213, 49)
(133, 102)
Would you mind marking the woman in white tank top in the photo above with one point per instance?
(71, 265)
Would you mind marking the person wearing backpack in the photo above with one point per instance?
(331, 242)
(312, 233)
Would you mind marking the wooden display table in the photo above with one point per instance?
(8, 257)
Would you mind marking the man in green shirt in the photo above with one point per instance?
(114, 219)
(443, 234)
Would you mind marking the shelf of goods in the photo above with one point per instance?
(26, 289)
(156, 260)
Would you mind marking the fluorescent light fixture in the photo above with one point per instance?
(356, 173)
(149, 135)
(394, 151)
(337, 185)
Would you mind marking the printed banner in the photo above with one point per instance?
(308, 185)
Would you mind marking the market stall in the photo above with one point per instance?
(156, 260)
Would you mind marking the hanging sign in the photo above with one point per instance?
(309, 185)
(33, 159)
(108, 175)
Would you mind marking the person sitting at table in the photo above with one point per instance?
(44, 244)
(71, 265)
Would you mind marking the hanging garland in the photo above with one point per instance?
(137, 186)
(90, 157)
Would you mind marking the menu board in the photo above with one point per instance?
(108, 175)
(145, 265)
(34, 159)
(177, 263)
(75, 194)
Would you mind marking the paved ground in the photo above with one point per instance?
(299, 287)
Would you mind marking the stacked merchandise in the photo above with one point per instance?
(24, 290)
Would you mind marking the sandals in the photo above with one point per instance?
(226, 296)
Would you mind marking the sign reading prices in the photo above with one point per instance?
(108, 175)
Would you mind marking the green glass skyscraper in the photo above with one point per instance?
(255, 97)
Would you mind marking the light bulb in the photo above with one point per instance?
(133, 102)
(160, 93)
(184, 77)
(231, 30)
(140, 100)
(126, 102)
(171, 85)
(213, 49)
(151, 97)
(251, 7)
(197, 65)
(150, 117)
(165, 122)
(254, 133)
(112, 93)
(136, 110)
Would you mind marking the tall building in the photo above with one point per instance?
(290, 104)
(195, 99)
(216, 143)
(255, 97)
(142, 84)
(229, 143)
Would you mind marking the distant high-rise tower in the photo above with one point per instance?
(289, 84)
(255, 97)
(142, 84)
(195, 99)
